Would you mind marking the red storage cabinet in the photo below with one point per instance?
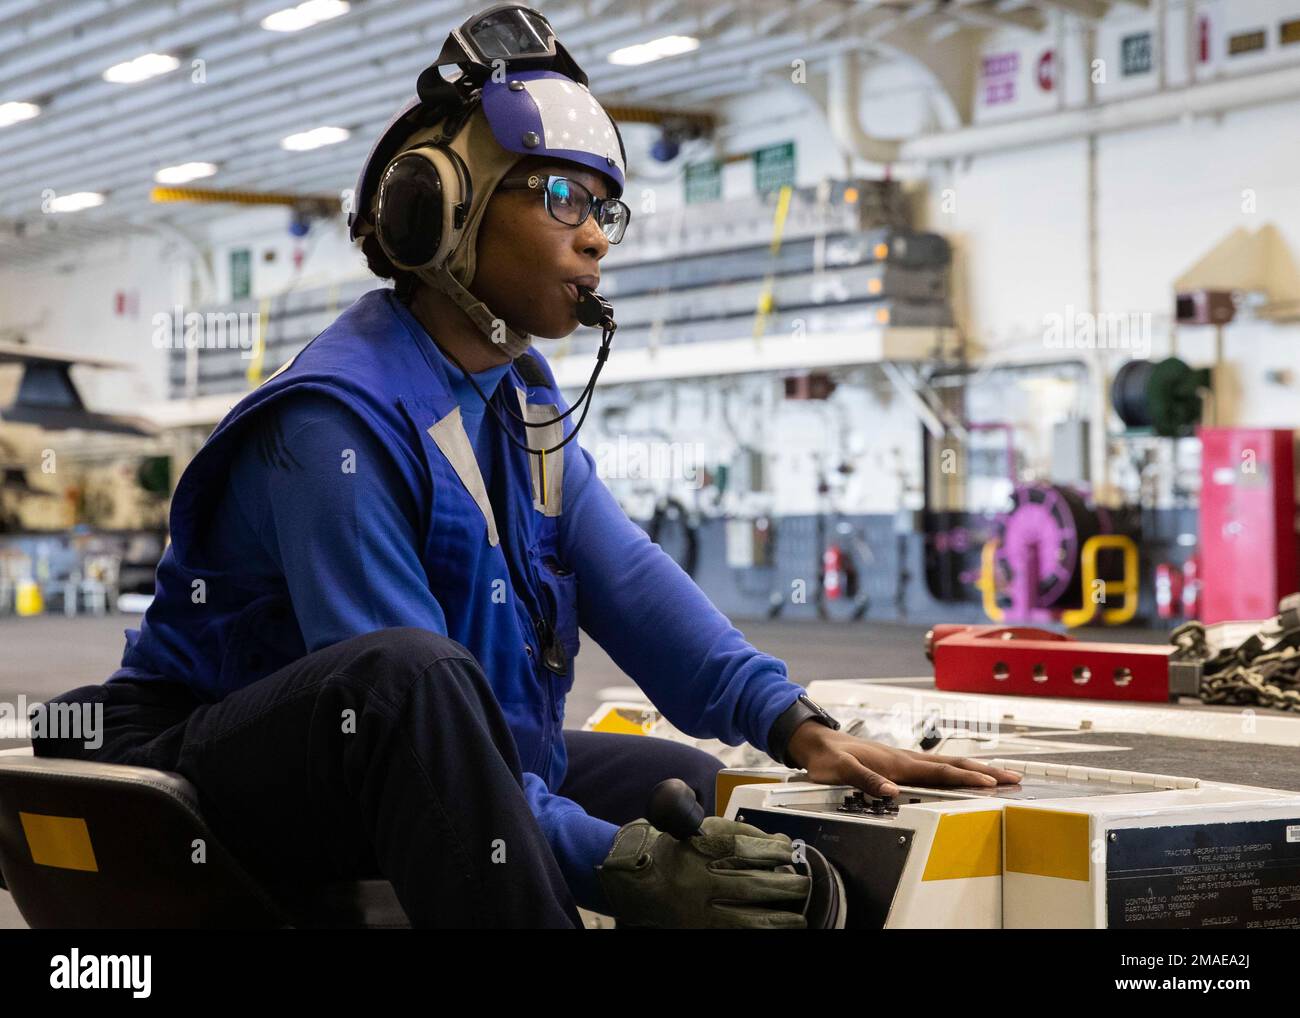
(1247, 522)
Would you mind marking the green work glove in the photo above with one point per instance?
(729, 876)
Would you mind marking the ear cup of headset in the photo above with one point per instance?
(423, 199)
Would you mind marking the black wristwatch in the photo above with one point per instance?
(803, 709)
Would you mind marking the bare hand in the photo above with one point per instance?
(834, 758)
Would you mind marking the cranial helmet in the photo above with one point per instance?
(426, 182)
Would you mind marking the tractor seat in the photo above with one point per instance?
(90, 845)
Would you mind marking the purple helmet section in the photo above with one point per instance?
(569, 123)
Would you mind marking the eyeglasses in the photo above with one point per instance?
(569, 202)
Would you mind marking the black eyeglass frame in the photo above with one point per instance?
(536, 182)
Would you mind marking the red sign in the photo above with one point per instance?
(1047, 70)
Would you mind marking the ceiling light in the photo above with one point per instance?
(13, 113)
(76, 201)
(305, 15)
(315, 138)
(656, 49)
(150, 65)
(184, 173)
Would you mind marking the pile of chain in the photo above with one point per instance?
(1262, 671)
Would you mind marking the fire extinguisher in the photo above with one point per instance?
(832, 572)
(1192, 588)
(1169, 591)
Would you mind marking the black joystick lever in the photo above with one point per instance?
(675, 810)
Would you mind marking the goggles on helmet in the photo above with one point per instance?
(503, 39)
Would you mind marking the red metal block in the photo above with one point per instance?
(1026, 661)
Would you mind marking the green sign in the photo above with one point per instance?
(1135, 53)
(774, 167)
(703, 182)
(241, 273)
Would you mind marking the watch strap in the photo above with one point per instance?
(783, 728)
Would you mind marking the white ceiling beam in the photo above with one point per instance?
(84, 55)
(263, 86)
(217, 116)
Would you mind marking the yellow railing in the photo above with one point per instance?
(1127, 585)
(988, 581)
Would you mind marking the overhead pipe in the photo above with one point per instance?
(733, 70)
(844, 114)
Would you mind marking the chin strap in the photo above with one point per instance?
(510, 342)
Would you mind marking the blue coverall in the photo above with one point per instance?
(357, 536)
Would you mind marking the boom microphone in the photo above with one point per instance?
(593, 310)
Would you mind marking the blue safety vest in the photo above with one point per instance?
(491, 557)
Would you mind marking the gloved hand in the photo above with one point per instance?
(730, 875)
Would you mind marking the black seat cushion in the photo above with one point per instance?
(90, 845)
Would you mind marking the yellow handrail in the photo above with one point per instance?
(988, 581)
(1126, 585)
